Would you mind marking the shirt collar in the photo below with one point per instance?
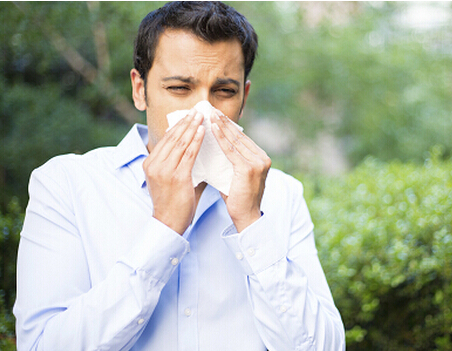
(132, 150)
(209, 196)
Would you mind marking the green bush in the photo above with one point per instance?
(384, 235)
(10, 226)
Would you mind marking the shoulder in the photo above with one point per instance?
(62, 167)
(279, 183)
(99, 157)
(285, 207)
(283, 193)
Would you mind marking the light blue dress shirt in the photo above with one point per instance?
(97, 272)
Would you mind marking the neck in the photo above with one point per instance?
(198, 192)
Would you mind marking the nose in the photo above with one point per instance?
(203, 95)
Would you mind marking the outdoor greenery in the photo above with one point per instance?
(383, 89)
(10, 226)
(353, 70)
(380, 88)
(384, 235)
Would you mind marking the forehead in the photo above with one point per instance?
(180, 49)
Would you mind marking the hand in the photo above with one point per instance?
(250, 164)
(168, 172)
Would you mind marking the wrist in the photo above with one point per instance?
(179, 228)
(244, 222)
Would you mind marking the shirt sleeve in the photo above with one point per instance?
(56, 306)
(287, 288)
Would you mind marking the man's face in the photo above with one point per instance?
(185, 71)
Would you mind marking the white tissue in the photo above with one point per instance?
(211, 165)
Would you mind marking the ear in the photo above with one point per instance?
(138, 90)
(245, 96)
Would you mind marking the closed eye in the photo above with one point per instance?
(225, 92)
(178, 89)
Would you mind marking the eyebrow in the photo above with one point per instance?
(220, 81)
(181, 78)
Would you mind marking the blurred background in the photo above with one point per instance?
(352, 98)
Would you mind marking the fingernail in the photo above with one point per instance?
(191, 113)
(215, 126)
(215, 115)
(200, 129)
(198, 116)
(219, 113)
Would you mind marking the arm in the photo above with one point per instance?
(287, 287)
(56, 307)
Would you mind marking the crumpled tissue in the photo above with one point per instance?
(211, 165)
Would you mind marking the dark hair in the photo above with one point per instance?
(211, 21)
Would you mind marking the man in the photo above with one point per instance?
(120, 252)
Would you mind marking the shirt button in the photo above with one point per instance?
(141, 321)
(251, 252)
(283, 309)
(175, 261)
(187, 312)
(239, 255)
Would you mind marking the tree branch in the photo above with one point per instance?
(100, 38)
(90, 73)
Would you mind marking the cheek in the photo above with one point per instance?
(232, 108)
(157, 109)
(156, 121)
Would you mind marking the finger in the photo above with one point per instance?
(232, 127)
(177, 135)
(236, 138)
(162, 149)
(228, 148)
(180, 147)
(191, 152)
(171, 136)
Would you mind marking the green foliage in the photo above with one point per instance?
(40, 124)
(10, 226)
(390, 96)
(7, 338)
(48, 108)
(383, 231)
(384, 234)
(382, 88)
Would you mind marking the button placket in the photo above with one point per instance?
(188, 298)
